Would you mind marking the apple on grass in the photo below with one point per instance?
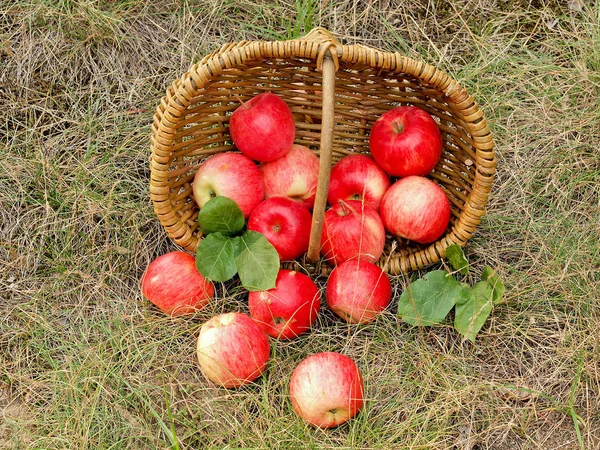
(232, 349)
(357, 177)
(289, 309)
(406, 141)
(352, 229)
(286, 225)
(417, 209)
(172, 283)
(294, 175)
(231, 175)
(358, 291)
(263, 128)
(326, 389)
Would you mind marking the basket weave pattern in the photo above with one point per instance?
(191, 121)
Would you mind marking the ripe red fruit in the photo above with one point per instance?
(352, 229)
(263, 128)
(286, 225)
(294, 175)
(289, 309)
(416, 208)
(406, 141)
(357, 177)
(232, 349)
(231, 175)
(326, 389)
(358, 291)
(172, 283)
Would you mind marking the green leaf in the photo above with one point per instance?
(456, 256)
(428, 300)
(215, 257)
(492, 277)
(472, 314)
(257, 262)
(221, 215)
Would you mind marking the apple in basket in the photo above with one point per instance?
(352, 229)
(416, 208)
(263, 127)
(289, 309)
(232, 349)
(294, 175)
(286, 225)
(231, 175)
(358, 291)
(357, 177)
(326, 389)
(406, 141)
(172, 283)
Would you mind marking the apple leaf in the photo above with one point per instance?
(221, 215)
(257, 262)
(456, 256)
(428, 300)
(472, 314)
(492, 277)
(215, 257)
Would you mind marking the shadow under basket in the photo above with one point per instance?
(336, 92)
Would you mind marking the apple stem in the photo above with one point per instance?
(345, 208)
(398, 126)
(239, 99)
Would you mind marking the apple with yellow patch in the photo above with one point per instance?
(231, 175)
(326, 389)
(294, 175)
(232, 349)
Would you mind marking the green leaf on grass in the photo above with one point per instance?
(456, 256)
(215, 257)
(472, 314)
(428, 300)
(257, 262)
(221, 215)
(492, 277)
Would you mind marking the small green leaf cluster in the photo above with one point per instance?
(428, 300)
(229, 248)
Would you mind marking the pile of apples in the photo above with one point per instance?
(274, 182)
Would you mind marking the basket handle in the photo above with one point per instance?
(329, 64)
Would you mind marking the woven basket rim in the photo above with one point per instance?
(318, 46)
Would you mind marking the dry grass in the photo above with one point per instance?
(85, 362)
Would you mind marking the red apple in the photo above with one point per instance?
(286, 225)
(326, 389)
(172, 282)
(232, 349)
(352, 229)
(415, 208)
(231, 175)
(289, 309)
(294, 175)
(357, 177)
(406, 141)
(263, 127)
(358, 291)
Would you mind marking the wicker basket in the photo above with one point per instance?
(335, 92)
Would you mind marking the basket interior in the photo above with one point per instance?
(203, 129)
(363, 94)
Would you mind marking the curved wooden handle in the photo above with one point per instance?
(329, 69)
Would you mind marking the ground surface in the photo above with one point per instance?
(85, 362)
